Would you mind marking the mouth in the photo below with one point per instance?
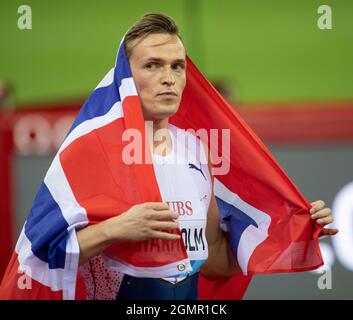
(167, 94)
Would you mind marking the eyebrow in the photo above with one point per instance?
(152, 59)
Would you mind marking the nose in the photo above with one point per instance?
(168, 77)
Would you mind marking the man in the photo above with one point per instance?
(158, 63)
(103, 228)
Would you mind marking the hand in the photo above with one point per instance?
(323, 217)
(142, 222)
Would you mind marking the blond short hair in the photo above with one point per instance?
(150, 23)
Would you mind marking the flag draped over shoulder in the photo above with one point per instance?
(267, 218)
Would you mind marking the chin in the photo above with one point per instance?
(165, 111)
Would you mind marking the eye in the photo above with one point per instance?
(178, 66)
(151, 66)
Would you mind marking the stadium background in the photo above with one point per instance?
(291, 81)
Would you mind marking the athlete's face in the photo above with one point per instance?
(158, 68)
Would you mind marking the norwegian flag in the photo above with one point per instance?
(266, 216)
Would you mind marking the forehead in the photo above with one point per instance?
(160, 45)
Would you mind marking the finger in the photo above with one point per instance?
(164, 215)
(164, 225)
(317, 205)
(165, 235)
(321, 213)
(325, 221)
(156, 205)
(328, 232)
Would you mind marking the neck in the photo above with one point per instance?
(160, 124)
(160, 141)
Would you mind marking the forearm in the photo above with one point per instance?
(144, 221)
(220, 262)
(93, 240)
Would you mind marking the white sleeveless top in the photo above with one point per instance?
(185, 184)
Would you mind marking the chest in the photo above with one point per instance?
(186, 188)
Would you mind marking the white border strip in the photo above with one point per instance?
(251, 236)
(87, 126)
(107, 80)
(60, 190)
(127, 88)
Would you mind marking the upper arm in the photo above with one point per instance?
(221, 261)
(213, 230)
